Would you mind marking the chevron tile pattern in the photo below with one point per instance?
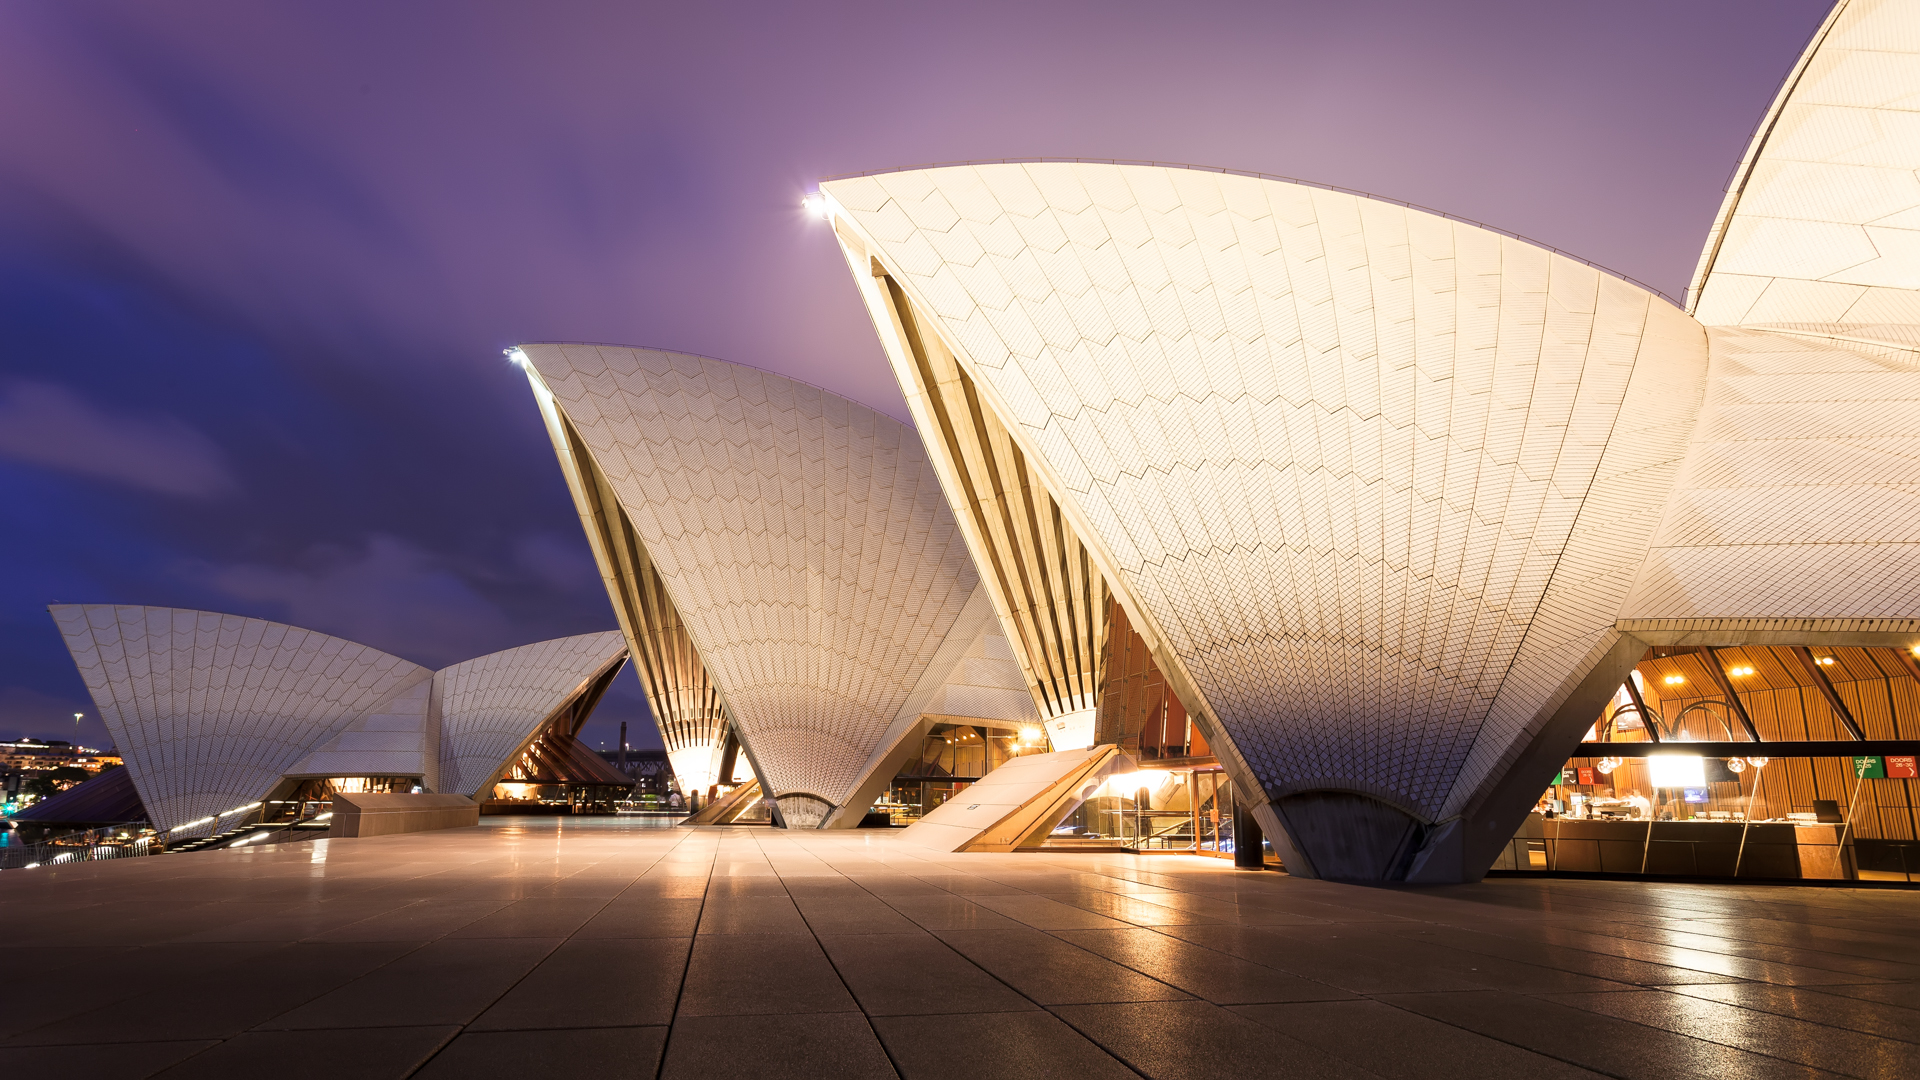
(1379, 479)
(986, 684)
(803, 539)
(212, 711)
(209, 710)
(1822, 222)
(491, 705)
(1801, 494)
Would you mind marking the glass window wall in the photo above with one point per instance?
(1177, 810)
(950, 757)
(1797, 780)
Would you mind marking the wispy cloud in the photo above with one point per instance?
(49, 425)
(563, 563)
(386, 593)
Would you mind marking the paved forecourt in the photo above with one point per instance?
(527, 948)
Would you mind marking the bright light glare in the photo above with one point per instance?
(1674, 680)
(1678, 770)
(517, 356)
(815, 204)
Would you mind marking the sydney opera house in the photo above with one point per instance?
(222, 719)
(1231, 505)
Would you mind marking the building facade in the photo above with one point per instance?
(1389, 503)
(217, 714)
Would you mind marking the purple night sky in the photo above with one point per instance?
(258, 261)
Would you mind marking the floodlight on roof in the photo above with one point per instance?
(517, 356)
(815, 204)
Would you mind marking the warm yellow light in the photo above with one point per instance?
(1826, 660)
(1738, 671)
(1675, 680)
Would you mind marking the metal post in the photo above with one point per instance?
(1653, 815)
(1846, 828)
(729, 755)
(1759, 778)
(1639, 703)
(1720, 679)
(1826, 688)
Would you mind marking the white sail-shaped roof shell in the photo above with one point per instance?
(1377, 481)
(210, 710)
(1800, 499)
(804, 541)
(1821, 224)
(490, 706)
(1798, 508)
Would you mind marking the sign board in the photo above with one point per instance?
(1902, 768)
(1587, 777)
(1569, 775)
(1870, 767)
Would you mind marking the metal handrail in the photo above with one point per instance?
(1186, 821)
(52, 851)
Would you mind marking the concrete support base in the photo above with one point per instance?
(1247, 839)
(803, 811)
(1342, 836)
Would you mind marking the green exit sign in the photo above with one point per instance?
(1870, 768)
